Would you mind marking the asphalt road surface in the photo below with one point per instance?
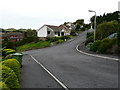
(74, 69)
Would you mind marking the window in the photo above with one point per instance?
(48, 32)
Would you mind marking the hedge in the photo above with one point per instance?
(94, 46)
(13, 64)
(105, 45)
(59, 41)
(89, 39)
(5, 52)
(101, 46)
(89, 34)
(3, 86)
(9, 77)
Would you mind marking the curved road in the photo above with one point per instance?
(74, 69)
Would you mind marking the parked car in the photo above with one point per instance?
(114, 35)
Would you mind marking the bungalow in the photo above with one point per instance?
(52, 31)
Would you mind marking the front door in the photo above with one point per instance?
(62, 33)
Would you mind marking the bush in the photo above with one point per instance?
(10, 52)
(10, 45)
(65, 37)
(118, 36)
(89, 45)
(9, 77)
(3, 86)
(105, 45)
(59, 41)
(89, 34)
(5, 52)
(27, 40)
(95, 45)
(73, 33)
(105, 29)
(52, 39)
(90, 39)
(13, 64)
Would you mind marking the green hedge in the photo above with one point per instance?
(89, 34)
(94, 46)
(9, 77)
(89, 39)
(3, 86)
(101, 46)
(13, 64)
(6, 52)
(59, 41)
(73, 33)
(53, 39)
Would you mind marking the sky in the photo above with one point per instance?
(35, 13)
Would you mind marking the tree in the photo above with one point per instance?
(105, 18)
(31, 33)
(105, 29)
(79, 21)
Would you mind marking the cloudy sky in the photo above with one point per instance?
(35, 13)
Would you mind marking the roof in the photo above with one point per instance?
(57, 28)
(9, 34)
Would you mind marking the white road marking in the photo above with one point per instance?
(53, 76)
(96, 55)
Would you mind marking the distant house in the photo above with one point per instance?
(53, 31)
(70, 25)
(13, 36)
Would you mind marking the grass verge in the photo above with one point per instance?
(33, 45)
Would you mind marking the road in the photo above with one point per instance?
(74, 69)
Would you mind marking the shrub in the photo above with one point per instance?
(9, 77)
(65, 37)
(95, 45)
(105, 29)
(118, 36)
(89, 45)
(5, 52)
(59, 41)
(73, 33)
(90, 39)
(105, 45)
(3, 86)
(13, 64)
(10, 45)
(52, 39)
(10, 52)
(90, 34)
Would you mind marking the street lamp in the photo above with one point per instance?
(94, 22)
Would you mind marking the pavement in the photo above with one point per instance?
(73, 69)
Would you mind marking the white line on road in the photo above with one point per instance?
(96, 55)
(57, 80)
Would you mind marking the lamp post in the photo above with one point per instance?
(94, 22)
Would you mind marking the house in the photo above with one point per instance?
(53, 31)
(13, 36)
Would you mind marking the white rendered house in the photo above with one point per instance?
(52, 31)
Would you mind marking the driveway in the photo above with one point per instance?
(74, 69)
